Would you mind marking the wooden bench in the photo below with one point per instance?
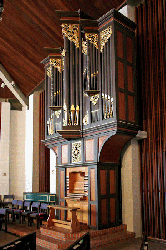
(73, 225)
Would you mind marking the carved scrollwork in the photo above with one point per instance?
(94, 99)
(71, 31)
(92, 38)
(56, 63)
(49, 72)
(84, 47)
(104, 36)
(57, 113)
(86, 119)
(50, 126)
(76, 151)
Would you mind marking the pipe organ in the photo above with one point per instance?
(91, 110)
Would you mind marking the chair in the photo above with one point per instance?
(7, 200)
(3, 218)
(11, 210)
(26, 210)
(0, 200)
(42, 214)
(17, 212)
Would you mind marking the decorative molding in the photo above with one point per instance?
(104, 36)
(50, 126)
(49, 72)
(71, 31)
(86, 119)
(84, 47)
(92, 38)
(63, 52)
(56, 63)
(94, 99)
(76, 152)
(57, 113)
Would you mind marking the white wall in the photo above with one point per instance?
(17, 152)
(52, 172)
(29, 146)
(4, 148)
(131, 195)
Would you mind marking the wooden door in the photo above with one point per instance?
(108, 193)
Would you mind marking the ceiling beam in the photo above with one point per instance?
(8, 81)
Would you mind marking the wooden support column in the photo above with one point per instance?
(44, 152)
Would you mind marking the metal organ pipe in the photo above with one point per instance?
(66, 89)
(108, 80)
(88, 64)
(55, 87)
(102, 81)
(52, 85)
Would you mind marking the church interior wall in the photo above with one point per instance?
(17, 152)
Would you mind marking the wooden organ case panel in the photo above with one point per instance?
(92, 81)
(62, 192)
(90, 93)
(108, 195)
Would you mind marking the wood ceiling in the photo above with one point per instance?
(28, 26)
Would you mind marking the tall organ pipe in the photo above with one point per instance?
(88, 64)
(77, 76)
(105, 78)
(71, 73)
(55, 87)
(66, 88)
(52, 85)
(102, 80)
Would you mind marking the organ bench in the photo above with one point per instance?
(73, 225)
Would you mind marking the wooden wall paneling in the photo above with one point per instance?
(131, 108)
(44, 152)
(151, 45)
(64, 156)
(130, 79)
(129, 49)
(89, 150)
(93, 215)
(92, 185)
(103, 182)
(121, 105)
(121, 75)
(125, 74)
(104, 214)
(119, 44)
(109, 200)
(62, 191)
(112, 181)
(112, 210)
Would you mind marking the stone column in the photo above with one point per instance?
(4, 148)
(131, 195)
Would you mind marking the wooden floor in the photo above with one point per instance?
(133, 244)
